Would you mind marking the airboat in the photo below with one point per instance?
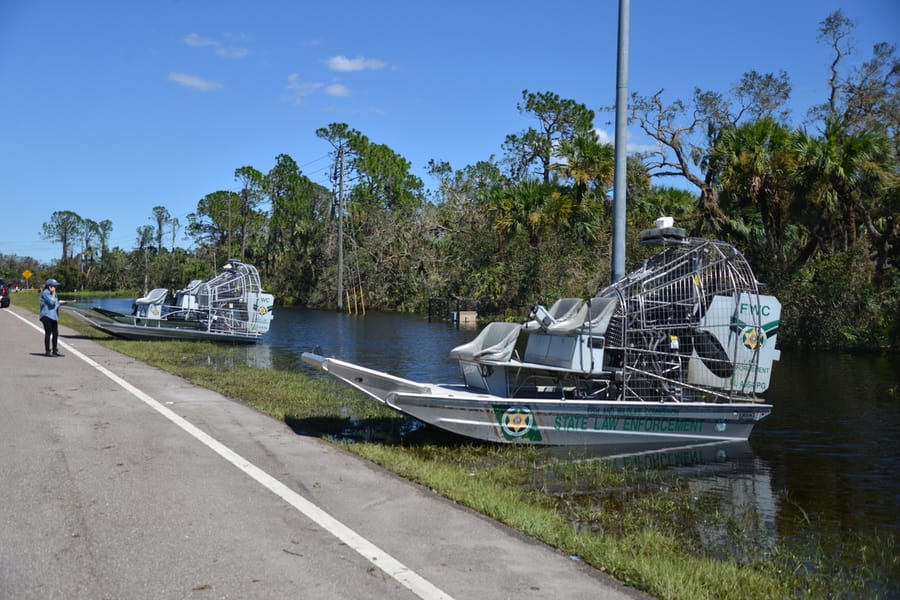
(675, 352)
(230, 307)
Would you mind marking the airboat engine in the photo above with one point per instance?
(692, 322)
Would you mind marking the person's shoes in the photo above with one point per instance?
(47, 353)
(55, 353)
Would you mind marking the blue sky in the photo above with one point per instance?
(109, 108)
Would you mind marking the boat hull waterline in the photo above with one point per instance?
(131, 328)
(543, 421)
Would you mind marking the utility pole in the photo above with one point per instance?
(619, 180)
(340, 209)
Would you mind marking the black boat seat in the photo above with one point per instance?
(495, 342)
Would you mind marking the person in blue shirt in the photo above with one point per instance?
(50, 316)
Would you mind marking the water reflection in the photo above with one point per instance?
(831, 443)
(727, 471)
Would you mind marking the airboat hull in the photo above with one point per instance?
(544, 421)
(132, 328)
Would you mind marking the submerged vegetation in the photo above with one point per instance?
(646, 526)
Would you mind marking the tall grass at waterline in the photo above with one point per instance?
(643, 553)
(633, 524)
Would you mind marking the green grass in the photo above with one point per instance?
(627, 523)
(629, 543)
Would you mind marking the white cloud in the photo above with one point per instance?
(360, 63)
(337, 89)
(603, 137)
(300, 89)
(630, 146)
(194, 82)
(196, 40)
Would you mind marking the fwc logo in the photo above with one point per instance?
(517, 422)
(753, 337)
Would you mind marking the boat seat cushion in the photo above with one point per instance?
(560, 310)
(191, 288)
(601, 311)
(496, 342)
(591, 316)
(156, 296)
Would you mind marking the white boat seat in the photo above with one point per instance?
(559, 310)
(591, 316)
(156, 296)
(495, 342)
(601, 311)
(191, 288)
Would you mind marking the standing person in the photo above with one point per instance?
(50, 316)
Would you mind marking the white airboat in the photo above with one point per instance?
(674, 353)
(230, 307)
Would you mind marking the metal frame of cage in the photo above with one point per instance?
(656, 329)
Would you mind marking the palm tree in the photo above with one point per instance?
(756, 164)
(589, 163)
(844, 176)
(520, 209)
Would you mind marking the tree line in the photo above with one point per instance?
(814, 208)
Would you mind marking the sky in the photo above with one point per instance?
(109, 108)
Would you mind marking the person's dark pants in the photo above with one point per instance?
(51, 329)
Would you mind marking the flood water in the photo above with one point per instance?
(823, 466)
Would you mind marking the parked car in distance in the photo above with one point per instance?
(4, 293)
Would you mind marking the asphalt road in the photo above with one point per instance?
(120, 481)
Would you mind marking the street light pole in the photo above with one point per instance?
(621, 144)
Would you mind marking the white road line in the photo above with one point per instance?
(391, 566)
